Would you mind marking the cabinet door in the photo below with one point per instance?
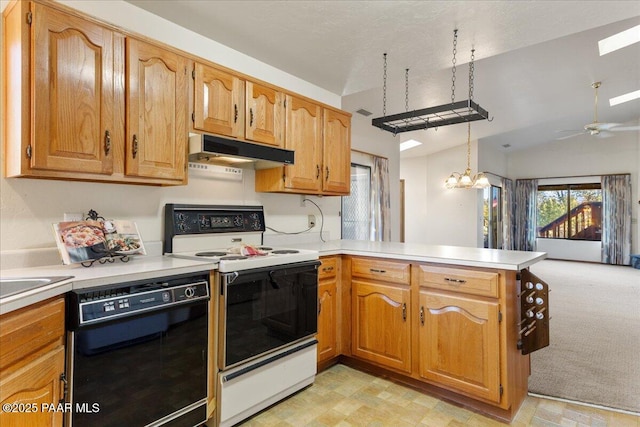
(459, 343)
(218, 102)
(32, 386)
(327, 320)
(73, 94)
(381, 330)
(304, 136)
(265, 115)
(336, 152)
(157, 97)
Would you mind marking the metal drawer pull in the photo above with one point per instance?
(327, 269)
(107, 142)
(375, 270)
(404, 312)
(135, 146)
(422, 315)
(448, 279)
(235, 114)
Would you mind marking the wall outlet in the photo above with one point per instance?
(73, 217)
(302, 200)
(312, 221)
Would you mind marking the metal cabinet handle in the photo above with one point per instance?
(64, 388)
(135, 146)
(327, 177)
(107, 142)
(235, 113)
(375, 270)
(250, 117)
(327, 269)
(319, 306)
(422, 315)
(317, 171)
(404, 312)
(450, 280)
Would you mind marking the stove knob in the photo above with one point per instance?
(182, 226)
(181, 217)
(189, 292)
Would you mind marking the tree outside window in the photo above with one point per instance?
(571, 211)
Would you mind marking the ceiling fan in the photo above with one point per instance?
(602, 130)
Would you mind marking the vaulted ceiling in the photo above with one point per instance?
(535, 61)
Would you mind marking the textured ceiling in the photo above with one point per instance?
(535, 60)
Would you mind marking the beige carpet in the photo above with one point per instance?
(594, 351)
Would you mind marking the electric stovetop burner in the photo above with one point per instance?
(233, 257)
(285, 251)
(211, 253)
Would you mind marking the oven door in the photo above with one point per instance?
(266, 309)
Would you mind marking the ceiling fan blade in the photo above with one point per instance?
(569, 136)
(625, 128)
(601, 126)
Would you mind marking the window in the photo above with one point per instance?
(492, 222)
(356, 222)
(570, 211)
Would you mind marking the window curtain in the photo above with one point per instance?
(508, 220)
(525, 214)
(380, 200)
(616, 219)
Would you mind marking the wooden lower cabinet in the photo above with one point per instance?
(448, 330)
(380, 320)
(328, 309)
(33, 391)
(459, 343)
(32, 361)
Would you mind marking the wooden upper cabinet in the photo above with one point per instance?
(265, 114)
(218, 101)
(157, 97)
(74, 94)
(336, 152)
(304, 136)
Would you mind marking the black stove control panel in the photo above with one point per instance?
(183, 220)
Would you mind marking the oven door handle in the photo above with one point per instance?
(273, 282)
(231, 277)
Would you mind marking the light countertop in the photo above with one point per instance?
(454, 255)
(137, 268)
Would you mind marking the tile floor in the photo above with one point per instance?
(345, 397)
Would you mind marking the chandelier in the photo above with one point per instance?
(465, 180)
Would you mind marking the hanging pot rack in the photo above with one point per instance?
(433, 117)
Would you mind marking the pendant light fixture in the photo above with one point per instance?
(465, 180)
(432, 117)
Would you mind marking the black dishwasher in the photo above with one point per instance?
(137, 353)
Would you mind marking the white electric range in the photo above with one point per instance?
(268, 299)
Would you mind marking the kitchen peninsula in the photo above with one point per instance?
(445, 320)
(450, 321)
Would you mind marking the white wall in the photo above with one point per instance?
(434, 214)
(28, 207)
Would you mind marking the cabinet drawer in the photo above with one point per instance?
(377, 269)
(474, 282)
(328, 268)
(27, 331)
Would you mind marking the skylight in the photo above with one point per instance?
(409, 144)
(624, 98)
(620, 40)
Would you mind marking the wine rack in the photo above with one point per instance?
(533, 326)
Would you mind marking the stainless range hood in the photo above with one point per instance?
(218, 150)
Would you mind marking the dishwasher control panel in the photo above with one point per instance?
(87, 306)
